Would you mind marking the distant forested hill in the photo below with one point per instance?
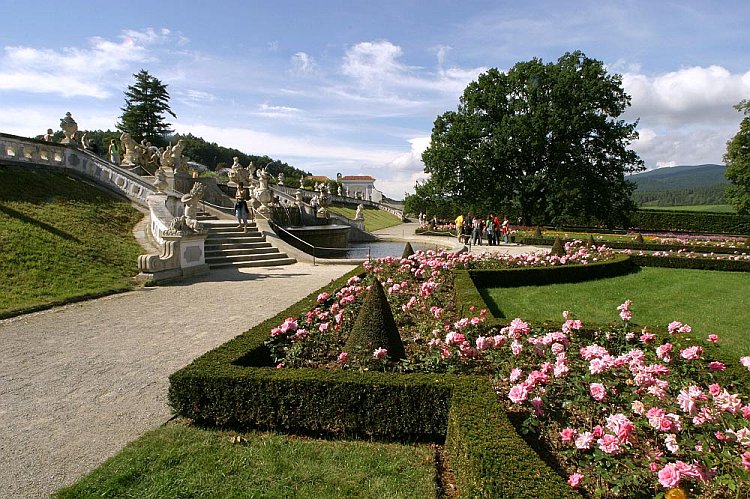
(680, 185)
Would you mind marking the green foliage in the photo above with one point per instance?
(690, 221)
(62, 239)
(176, 461)
(542, 141)
(216, 157)
(557, 248)
(639, 238)
(146, 103)
(375, 327)
(681, 197)
(537, 231)
(737, 159)
(430, 200)
(408, 250)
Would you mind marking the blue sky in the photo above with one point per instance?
(355, 86)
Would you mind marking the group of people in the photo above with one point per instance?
(474, 229)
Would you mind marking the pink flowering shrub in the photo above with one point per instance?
(625, 413)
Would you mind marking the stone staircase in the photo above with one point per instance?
(227, 246)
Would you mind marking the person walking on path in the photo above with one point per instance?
(459, 226)
(240, 207)
(505, 229)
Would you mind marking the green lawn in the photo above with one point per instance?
(714, 208)
(176, 461)
(374, 219)
(61, 238)
(710, 301)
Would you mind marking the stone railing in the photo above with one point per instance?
(24, 151)
(308, 194)
(181, 247)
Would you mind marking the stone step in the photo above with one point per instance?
(224, 258)
(230, 252)
(255, 263)
(223, 244)
(237, 238)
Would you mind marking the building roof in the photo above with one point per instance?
(357, 177)
(318, 178)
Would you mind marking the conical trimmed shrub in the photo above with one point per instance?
(538, 232)
(375, 327)
(557, 248)
(408, 250)
(590, 242)
(639, 238)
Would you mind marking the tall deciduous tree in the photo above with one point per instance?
(737, 159)
(146, 104)
(542, 141)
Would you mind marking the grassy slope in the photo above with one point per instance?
(710, 301)
(374, 219)
(61, 238)
(175, 461)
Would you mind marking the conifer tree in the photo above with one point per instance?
(146, 103)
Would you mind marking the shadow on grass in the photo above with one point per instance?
(44, 226)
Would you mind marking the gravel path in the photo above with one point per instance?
(79, 382)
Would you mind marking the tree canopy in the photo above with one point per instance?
(146, 103)
(737, 159)
(542, 142)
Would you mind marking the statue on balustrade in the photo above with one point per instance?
(69, 128)
(130, 156)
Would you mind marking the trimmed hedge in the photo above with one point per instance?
(678, 262)
(633, 245)
(533, 276)
(235, 386)
(690, 221)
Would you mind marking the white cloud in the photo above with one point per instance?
(269, 111)
(73, 71)
(303, 64)
(690, 95)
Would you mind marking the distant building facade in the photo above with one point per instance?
(360, 187)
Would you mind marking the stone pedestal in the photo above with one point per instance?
(179, 181)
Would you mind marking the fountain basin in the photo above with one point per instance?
(329, 240)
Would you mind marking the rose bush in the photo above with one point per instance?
(625, 413)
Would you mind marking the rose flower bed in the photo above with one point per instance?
(624, 413)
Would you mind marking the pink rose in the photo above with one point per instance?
(745, 361)
(343, 357)
(518, 393)
(575, 479)
(691, 353)
(712, 338)
(380, 353)
(598, 391)
(669, 477)
(585, 440)
(609, 444)
(746, 460)
(716, 366)
(567, 434)
(323, 297)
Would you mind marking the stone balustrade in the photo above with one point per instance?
(182, 251)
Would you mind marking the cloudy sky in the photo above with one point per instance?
(354, 86)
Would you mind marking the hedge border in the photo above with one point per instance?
(234, 385)
(633, 245)
(468, 294)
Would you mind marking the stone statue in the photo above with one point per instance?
(251, 170)
(70, 128)
(263, 178)
(85, 141)
(238, 174)
(192, 201)
(302, 182)
(360, 212)
(339, 191)
(179, 164)
(280, 181)
(160, 180)
(166, 158)
(130, 158)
